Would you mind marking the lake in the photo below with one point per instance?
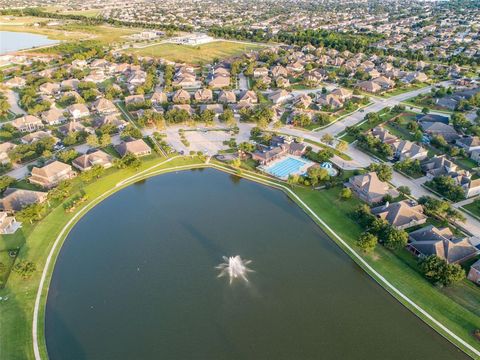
(14, 41)
(136, 279)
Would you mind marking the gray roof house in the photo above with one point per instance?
(430, 240)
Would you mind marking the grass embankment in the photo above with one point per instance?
(16, 312)
(473, 208)
(196, 54)
(455, 307)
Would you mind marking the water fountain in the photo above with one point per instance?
(235, 267)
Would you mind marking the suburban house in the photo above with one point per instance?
(279, 96)
(134, 99)
(475, 156)
(78, 111)
(219, 81)
(87, 161)
(51, 174)
(49, 88)
(113, 119)
(329, 100)
(70, 84)
(249, 97)
(402, 214)
(404, 149)
(439, 129)
(71, 127)
(105, 107)
(15, 82)
(438, 165)
(474, 273)
(383, 135)
(302, 101)
(279, 70)
(136, 147)
(16, 199)
(36, 136)
(217, 109)
(181, 96)
(53, 116)
(8, 224)
(5, 148)
(430, 240)
(260, 72)
(27, 123)
(227, 96)
(369, 86)
(203, 95)
(432, 118)
(158, 98)
(470, 143)
(369, 188)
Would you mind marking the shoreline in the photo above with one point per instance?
(39, 344)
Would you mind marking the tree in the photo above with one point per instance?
(425, 110)
(438, 270)
(405, 190)
(367, 241)
(4, 105)
(384, 171)
(227, 117)
(129, 160)
(31, 213)
(236, 163)
(317, 174)
(5, 182)
(105, 140)
(341, 146)
(345, 194)
(293, 179)
(246, 147)
(67, 155)
(92, 140)
(62, 191)
(327, 138)
(395, 239)
(24, 268)
(131, 132)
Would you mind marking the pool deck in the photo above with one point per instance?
(300, 171)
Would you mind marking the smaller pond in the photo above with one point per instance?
(14, 41)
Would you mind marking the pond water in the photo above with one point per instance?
(14, 41)
(137, 279)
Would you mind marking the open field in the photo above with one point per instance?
(69, 31)
(200, 54)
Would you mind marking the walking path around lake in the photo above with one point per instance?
(253, 177)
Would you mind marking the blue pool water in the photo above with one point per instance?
(286, 167)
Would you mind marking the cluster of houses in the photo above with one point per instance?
(315, 65)
(424, 240)
(402, 149)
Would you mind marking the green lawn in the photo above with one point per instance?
(473, 207)
(200, 54)
(404, 89)
(17, 312)
(455, 307)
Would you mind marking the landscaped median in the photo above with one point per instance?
(325, 207)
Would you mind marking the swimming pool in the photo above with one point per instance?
(288, 166)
